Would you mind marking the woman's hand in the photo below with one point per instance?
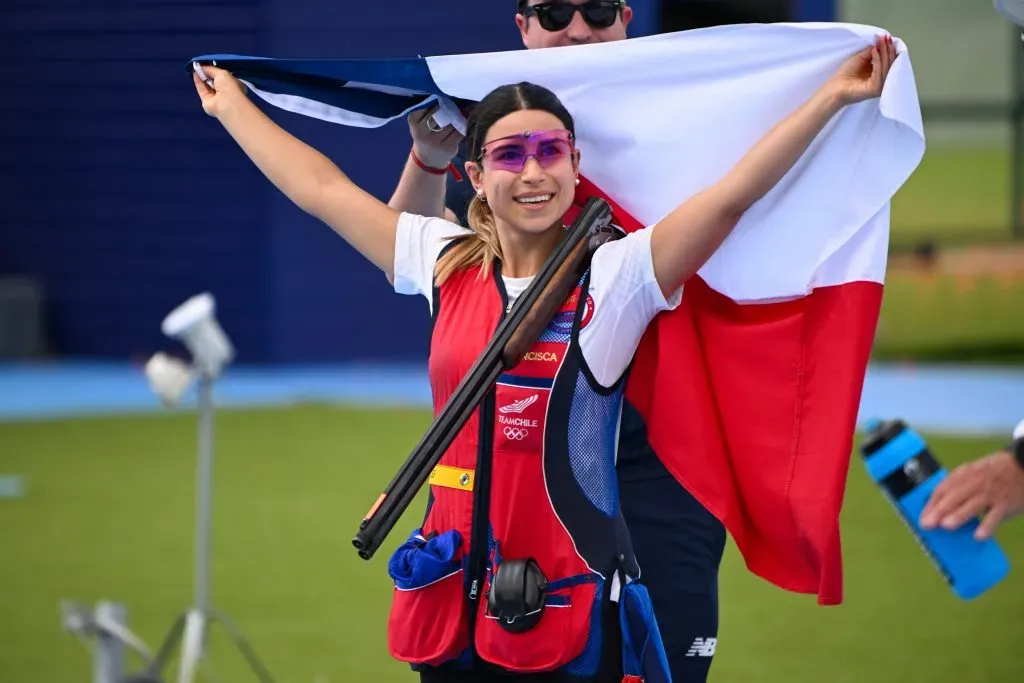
(862, 76)
(225, 90)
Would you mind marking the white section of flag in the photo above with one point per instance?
(662, 117)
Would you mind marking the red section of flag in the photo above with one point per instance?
(752, 407)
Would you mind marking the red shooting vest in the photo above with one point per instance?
(550, 434)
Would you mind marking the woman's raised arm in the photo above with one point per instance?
(303, 174)
(685, 239)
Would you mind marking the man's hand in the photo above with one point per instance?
(421, 191)
(992, 486)
(435, 148)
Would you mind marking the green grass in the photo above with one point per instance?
(956, 196)
(945, 318)
(108, 515)
(959, 195)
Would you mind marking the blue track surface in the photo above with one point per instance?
(935, 398)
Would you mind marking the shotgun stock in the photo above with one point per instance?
(537, 305)
(548, 303)
(553, 296)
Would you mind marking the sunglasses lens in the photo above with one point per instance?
(511, 154)
(554, 16)
(551, 150)
(600, 14)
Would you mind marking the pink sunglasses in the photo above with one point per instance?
(510, 153)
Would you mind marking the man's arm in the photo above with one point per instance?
(421, 189)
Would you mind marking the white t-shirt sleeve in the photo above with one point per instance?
(626, 298)
(418, 243)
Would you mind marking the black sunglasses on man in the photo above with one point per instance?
(556, 16)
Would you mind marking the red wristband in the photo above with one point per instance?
(429, 169)
(434, 170)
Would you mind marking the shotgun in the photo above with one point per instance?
(514, 336)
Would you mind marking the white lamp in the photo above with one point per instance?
(194, 323)
(169, 378)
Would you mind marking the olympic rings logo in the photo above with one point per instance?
(516, 433)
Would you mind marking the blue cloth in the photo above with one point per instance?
(419, 562)
(643, 653)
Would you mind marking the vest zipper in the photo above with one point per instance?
(479, 549)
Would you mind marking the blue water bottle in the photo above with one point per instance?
(898, 460)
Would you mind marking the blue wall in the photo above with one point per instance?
(102, 147)
(326, 301)
(124, 199)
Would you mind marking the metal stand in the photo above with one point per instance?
(191, 627)
(105, 632)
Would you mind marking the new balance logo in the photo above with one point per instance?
(702, 647)
(519, 406)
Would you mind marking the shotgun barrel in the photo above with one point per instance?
(524, 323)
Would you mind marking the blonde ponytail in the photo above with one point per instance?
(481, 248)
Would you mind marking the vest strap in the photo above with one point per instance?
(452, 478)
(569, 581)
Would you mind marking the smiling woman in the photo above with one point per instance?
(524, 168)
(523, 564)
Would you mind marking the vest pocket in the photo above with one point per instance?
(428, 623)
(558, 638)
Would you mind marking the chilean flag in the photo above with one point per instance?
(750, 389)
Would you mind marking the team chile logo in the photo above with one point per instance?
(562, 322)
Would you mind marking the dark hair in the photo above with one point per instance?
(506, 99)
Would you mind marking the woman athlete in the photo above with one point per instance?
(523, 566)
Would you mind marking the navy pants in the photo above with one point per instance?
(679, 547)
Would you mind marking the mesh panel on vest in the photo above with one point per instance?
(590, 659)
(558, 330)
(593, 421)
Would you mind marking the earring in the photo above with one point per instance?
(481, 197)
(577, 180)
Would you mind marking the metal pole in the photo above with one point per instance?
(204, 476)
(108, 657)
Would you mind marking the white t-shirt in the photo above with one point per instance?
(625, 293)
